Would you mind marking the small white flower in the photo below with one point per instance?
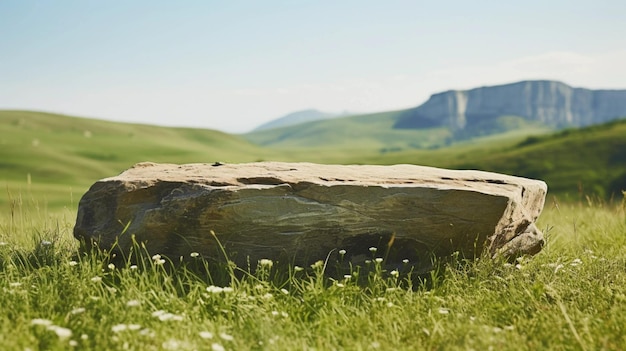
(375, 345)
(214, 289)
(373, 249)
(297, 269)
(347, 276)
(159, 262)
(111, 266)
(133, 266)
(78, 310)
(405, 261)
(576, 262)
(228, 289)
(206, 335)
(368, 261)
(72, 263)
(317, 264)
(444, 311)
(389, 304)
(284, 291)
(226, 337)
(342, 252)
(84, 336)
(96, 279)
(519, 266)
(395, 273)
(378, 260)
(194, 254)
(156, 257)
(119, 328)
(133, 303)
(62, 333)
(217, 347)
(41, 321)
(339, 285)
(268, 296)
(134, 327)
(275, 313)
(266, 263)
(73, 343)
(3, 243)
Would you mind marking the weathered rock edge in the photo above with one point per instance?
(301, 212)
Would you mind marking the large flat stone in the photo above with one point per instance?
(301, 212)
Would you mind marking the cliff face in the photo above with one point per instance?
(552, 103)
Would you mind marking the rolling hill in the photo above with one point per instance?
(56, 153)
(52, 159)
(457, 115)
(297, 117)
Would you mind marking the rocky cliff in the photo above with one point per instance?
(552, 103)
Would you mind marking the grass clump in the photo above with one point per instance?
(571, 296)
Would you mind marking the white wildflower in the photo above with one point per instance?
(347, 276)
(62, 333)
(228, 289)
(133, 266)
(156, 257)
(389, 304)
(264, 262)
(395, 273)
(78, 310)
(72, 263)
(194, 254)
(284, 291)
(119, 328)
(342, 252)
(576, 262)
(444, 311)
(297, 269)
(217, 347)
(267, 296)
(111, 266)
(133, 303)
(378, 260)
(206, 335)
(405, 261)
(318, 264)
(373, 249)
(226, 337)
(96, 279)
(73, 343)
(41, 321)
(214, 289)
(339, 285)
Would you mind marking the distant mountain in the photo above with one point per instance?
(551, 103)
(297, 118)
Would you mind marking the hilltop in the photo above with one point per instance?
(527, 107)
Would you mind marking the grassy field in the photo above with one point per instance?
(571, 296)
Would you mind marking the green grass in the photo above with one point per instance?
(571, 296)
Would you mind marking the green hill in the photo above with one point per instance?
(55, 155)
(574, 162)
(54, 159)
(375, 133)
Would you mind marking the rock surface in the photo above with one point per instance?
(553, 103)
(301, 212)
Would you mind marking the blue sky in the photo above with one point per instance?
(233, 65)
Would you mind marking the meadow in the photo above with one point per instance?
(570, 296)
